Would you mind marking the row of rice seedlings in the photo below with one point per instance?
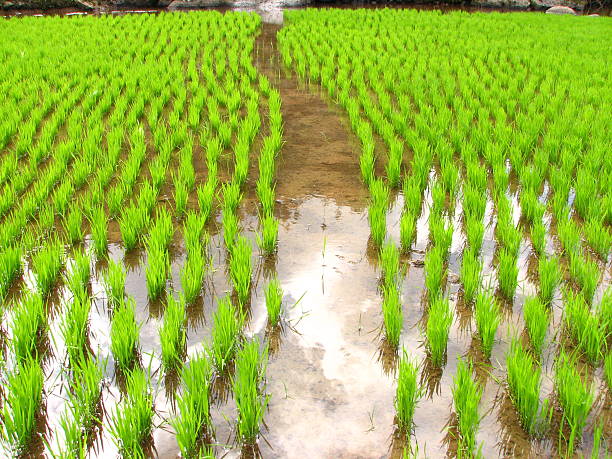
(274, 298)
(588, 330)
(193, 407)
(408, 392)
(438, 325)
(124, 334)
(575, 397)
(249, 389)
(22, 400)
(225, 334)
(537, 319)
(132, 224)
(230, 229)
(487, 315)
(474, 230)
(466, 397)
(524, 382)
(599, 237)
(132, 420)
(83, 401)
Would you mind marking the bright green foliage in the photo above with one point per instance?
(99, 230)
(407, 230)
(537, 318)
(75, 326)
(114, 282)
(438, 325)
(507, 274)
(269, 235)
(274, 298)
(227, 325)
(173, 333)
(466, 397)
(392, 314)
(408, 391)
(47, 264)
(389, 263)
(435, 273)
(29, 322)
(240, 268)
(471, 268)
(125, 334)
(588, 330)
(550, 276)
(487, 317)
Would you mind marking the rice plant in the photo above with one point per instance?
(537, 319)
(507, 273)
(227, 324)
(158, 266)
(28, 323)
(487, 320)
(193, 406)
(466, 397)
(438, 325)
(474, 230)
(47, 264)
(585, 273)
(230, 229)
(240, 268)
(538, 237)
(24, 385)
(392, 313)
(73, 222)
(575, 397)
(588, 330)
(99, 230)
(377, 217)
(75, 326)
(598, 237)
(524, 381)
(132, 421)
(114, 282)
(274, 297)
(435, 273)
(389, 261)
(124, 334)
(192, 276)
(251, 402)
(10, 267)
(471, 274)
(408, 392)
(407, 230)
(608, 369)
(550, 276)
(269, 234)
(173, 333)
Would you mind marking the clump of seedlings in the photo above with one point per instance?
(274, 297)
(466, 397)
(173, 333)
(240, 268)
(227, 326)
(550, 277)
(471, 269)
(124, 334)
(438, 325)
(487, 317)
(537, 318)
(114, 282)
(408, 392)
(47, 264)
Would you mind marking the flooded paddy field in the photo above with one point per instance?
(425, 196)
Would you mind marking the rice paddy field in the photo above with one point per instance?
(363, 233)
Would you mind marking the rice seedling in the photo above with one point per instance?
(392, 313)
(408, 392)
(74, 327)
(99, 230)
(251, 403)
(29, 322)
(524, 381)
(269, 234)
(550, 277)
(10, 267)
(389, 261)
(114, 282)
(85, 390)
(158, 266)
(47, 264)
(206, 194)
(407, 231)
(173, 333)
(509, 237)
(435, 273)
(585, 273)
(24, 385)
(412, 197)
(132, 421)
(608, 369)
(274, 297)
(440, 235)
(227, 324)
(230, 229)
(124, 334)
(73, 224)
(181, 195)
(132, 223)
(377, 217)
(438, 325)
(598, 237)
(240, 268)
(192, 276)
(231, 196)
(537, 319)
(163, 229)
(471, 274)
(575, 397)
(538, 237)
(474, 230)
(507, 274)
(266, 196)
(487, 320)
(438, 198)
(588, 330)
(466, 397)
(193, 406)
(569, 235)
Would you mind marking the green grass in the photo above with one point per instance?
(390, 264)
(227, 326)
(231, 196)
(392, 314)
(474, 230)
(28, 323)
(114, 282)
(77, 279)
(47, 264)
(585, 273)
(524, 381)
(192, 275)
(377, 217)
(206, 194)
(407, 393)
(240, 268)
(267, 241)
(251, 402)
(173, 333)
(598, 237)
(538, 238)
(274, 297)
(507, 273)
(440, 234)
(230, 229)
(157, 269)
(588, 330)
(537, 319)
(471, 274)
(124, 334)
(608, 369)
(10, 267)
(435, 273)
(99, 230)
(73, 224)
(132, 421)
(487, 317)
(75, 327)
(132, 224)
(23, 394)
(550, 277)
(575, 397)
(193, 405)
(407, 230)
(266, 196)
(466, 398)
(438, 326)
